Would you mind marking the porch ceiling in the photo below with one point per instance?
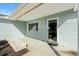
(43, 10)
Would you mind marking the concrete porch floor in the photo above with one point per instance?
(64, 51)
(35, 47)
(38, 48)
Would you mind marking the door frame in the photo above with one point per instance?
(57, 27)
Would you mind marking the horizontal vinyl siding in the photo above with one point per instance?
(68, 34)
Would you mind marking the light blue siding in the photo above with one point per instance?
(12, 29)
(42, 34)
(63, 38)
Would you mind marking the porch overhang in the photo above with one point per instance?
(31, 11)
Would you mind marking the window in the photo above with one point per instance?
(32, 25)
(36, 26)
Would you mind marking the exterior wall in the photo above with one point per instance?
(78, 28)
(41, 34)
(11, 29)
(67, 37)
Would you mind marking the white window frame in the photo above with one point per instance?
(39, 23)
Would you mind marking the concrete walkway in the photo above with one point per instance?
(62, 51)
(35, 47)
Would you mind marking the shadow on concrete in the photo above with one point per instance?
(54, 50)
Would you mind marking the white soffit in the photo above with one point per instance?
(46, 9)
(22, 9)
(17, 10)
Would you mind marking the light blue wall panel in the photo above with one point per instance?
(12, 29)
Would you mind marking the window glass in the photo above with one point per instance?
(36, 26)
(32, 25)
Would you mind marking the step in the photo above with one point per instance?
(54, 43)
(2, 42)
(3, 46)
(5, 51)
